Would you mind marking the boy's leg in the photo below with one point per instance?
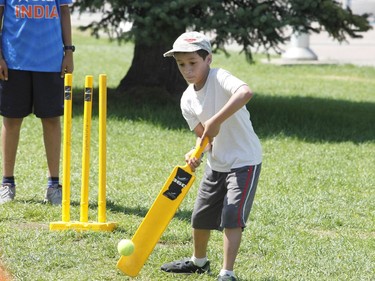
(52, 143)
(10, 135)
(241, 185)
(48, 88)
(15, 104)
(206, 216)
(232, 240)
(200, 239)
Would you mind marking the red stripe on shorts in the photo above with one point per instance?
(244, 194)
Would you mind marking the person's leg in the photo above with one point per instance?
(232, 240)
(10, 135)
(200, 239)
(52, 144)
(206, 216)
(15, 104)
(48, 89)
(241, 185)
(207, 212)
(198, 263)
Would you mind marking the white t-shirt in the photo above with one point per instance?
(236, 145)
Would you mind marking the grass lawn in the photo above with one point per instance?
(314, 214)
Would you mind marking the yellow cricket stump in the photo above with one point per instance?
(67, 143)
(87, 114)
(84, 224)
(102, 148)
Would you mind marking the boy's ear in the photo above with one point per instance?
(209, 59)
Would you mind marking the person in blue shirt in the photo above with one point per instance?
(36, 52)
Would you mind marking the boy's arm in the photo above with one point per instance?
(240, 98)
(3, 65)
(66, 29)
(195, 162)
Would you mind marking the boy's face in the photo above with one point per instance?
(193, 68)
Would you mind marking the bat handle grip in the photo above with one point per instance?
(199, 148)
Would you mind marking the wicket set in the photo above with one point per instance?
(84, 224)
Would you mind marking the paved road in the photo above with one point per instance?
(356, 51)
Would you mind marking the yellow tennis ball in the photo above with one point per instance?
(125, 247)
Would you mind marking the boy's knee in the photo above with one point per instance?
(230, 217)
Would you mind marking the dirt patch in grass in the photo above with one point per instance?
(32, 225)
(4, 274)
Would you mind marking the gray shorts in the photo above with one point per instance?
(25, 92)
(225, 199)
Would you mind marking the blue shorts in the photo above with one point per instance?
(25, 92)
(225, 199)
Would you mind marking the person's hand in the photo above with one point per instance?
(192, 162)
(67, 63)
(211, 130)
(3, 70)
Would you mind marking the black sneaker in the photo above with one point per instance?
(185, 266)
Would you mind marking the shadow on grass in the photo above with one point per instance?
(116, 208)
(307, 118)
(141, 212)
(313, 119)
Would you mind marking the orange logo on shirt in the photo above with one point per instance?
(36, 12)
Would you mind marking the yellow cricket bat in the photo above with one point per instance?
(159, 215)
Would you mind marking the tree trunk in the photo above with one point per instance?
(162, 73)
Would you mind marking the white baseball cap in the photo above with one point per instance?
(190, 42)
